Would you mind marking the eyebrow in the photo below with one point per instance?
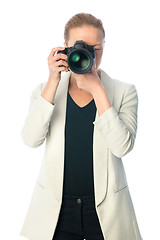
(96, 44)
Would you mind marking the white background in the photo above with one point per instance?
(29, 30)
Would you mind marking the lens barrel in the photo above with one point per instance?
(80, 61)
(80, 57)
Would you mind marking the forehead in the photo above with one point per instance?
(88, 34)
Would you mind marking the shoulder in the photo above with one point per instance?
(118, 91)
(115, 86)
(106, 79)
(37, 90)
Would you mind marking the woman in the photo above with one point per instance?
(89, 122)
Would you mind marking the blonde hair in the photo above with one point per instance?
(80, 20)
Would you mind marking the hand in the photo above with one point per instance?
(57, 63)
(88, 81)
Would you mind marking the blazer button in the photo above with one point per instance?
(78, 200)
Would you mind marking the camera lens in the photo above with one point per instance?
(75, 57)
(85, 63)
(80, 61)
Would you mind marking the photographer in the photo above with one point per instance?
(89, 121)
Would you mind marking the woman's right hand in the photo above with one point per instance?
(55, 68)
(55, 63)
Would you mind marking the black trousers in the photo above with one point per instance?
(78, 220)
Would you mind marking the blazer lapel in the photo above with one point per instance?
(100, 151)
(55, 167)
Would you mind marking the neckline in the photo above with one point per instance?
(78, 105)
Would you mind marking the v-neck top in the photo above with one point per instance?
(78, 162)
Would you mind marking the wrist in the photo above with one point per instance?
(101, 99)
(98, 89)
(52, 82)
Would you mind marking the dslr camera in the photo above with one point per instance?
(80, 57)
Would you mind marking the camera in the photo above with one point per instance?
(80, 57)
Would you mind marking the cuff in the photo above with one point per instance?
(105, 118)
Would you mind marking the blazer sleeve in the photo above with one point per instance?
(37, 120)
(119, 128)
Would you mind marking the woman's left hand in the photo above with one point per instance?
(88, 81)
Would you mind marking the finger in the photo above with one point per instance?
(57, 58)
(54, 50)
(60, 69)
(94, 63)
(61, 62)
(60, 56)
(94, 66)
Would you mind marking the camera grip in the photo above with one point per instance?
(62, 52)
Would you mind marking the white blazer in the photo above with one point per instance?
(114, 136)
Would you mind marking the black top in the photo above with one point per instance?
(78, 164)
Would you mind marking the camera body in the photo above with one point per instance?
(80, 57)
